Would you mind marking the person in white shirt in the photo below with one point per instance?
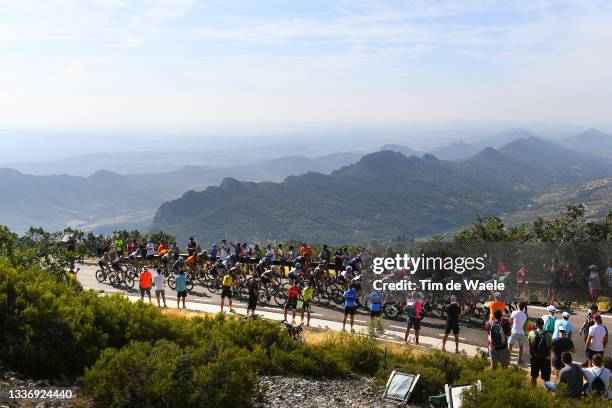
(150, 250)
(159, 282)
(518, 319)
(598, 372)
(597, 339)
(550, 326)
(565, 323)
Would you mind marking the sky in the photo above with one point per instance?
(185, 65)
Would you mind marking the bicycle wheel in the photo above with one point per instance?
(188, 284)
(112, 278)
(214, 285)
(100, 276)
(280, 297)
(172, 282)
(391, 310)
(129, 282)
(336, 296)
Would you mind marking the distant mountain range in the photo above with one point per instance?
(106, 200)
(592, 141)
(384, 195)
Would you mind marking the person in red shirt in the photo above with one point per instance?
(292, 298)
(306, 252)
(146, 280)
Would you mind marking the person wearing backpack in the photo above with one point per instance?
(498, 331)
(550, 319)
(598, 379)
(540, 346)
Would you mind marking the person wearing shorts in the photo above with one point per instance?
(414, 308)
(159, 281)
(146, 281)
(498, 331)
(452, 323)
(181, 289)
(350, 306)
(518, 318)
(292, 298)
(226, 290)
(307, 293)
(540, 344)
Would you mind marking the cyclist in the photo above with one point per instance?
(267, 278)
(179, 265)
(226, 291)
(292, 297)
(191, 246)
(192, 262)
(350, 305)
(495, 304)
(104, 261)
(296, 273)
(117, 267)
(307, 293)
(164, 259)
(346, 276)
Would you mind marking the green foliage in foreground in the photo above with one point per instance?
(130, 354)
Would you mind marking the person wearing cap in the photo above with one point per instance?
(550, 319)
(495, 304)
(452, 322)
(561, 345)
(593, 283)
(564, 322)
(597, 339)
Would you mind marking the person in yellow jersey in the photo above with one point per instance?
(307, 293)
(226, 291)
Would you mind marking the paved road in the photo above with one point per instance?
(431, 326)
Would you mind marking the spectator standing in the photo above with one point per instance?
(145, 282)
(307, 293)
(540, 345)
(594, 283)
(160, 287)
(498, 331)
(563, 322)
(292, 298)
(518, 318)
(560, 345)
(597, 339)
(181, 288)
(350, 306)
(452, 323)
(414, 308)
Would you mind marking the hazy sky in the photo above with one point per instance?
(179, 64)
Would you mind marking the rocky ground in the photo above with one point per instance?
(356, 392)
(11, 380)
